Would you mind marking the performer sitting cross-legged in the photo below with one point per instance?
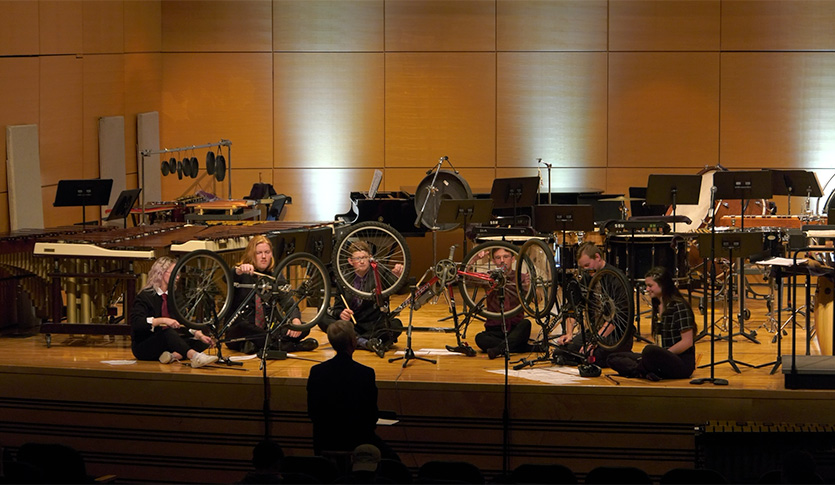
(249, 331)
(674, 329)
(157, 336)
(376, 331)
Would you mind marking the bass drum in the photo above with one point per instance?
(699, 213)
(428, 196)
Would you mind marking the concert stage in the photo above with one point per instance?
(148, 422)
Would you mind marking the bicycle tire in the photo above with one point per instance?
(536, 260)
(200, 290)
(388, 248)
(609, 300)
(304, 283)
(473, 289)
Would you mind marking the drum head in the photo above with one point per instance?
(448, 185)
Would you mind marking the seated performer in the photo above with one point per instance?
(157, 336)
(249, 331)
(674, 329)
(492, 339)
(376, 330)
(570, 346)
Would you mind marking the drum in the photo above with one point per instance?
(434, 188)
(823, 314)
(647, 250)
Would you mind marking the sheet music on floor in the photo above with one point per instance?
(786, 262)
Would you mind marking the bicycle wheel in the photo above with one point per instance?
(609, 306)
(536, 264)
(478, 283)
(301, 282)
(200, 290)
(388, 250)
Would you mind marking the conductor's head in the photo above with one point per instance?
(342, 337)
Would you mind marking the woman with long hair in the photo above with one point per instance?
(157, 336)
(674, 329)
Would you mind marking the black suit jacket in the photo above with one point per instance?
(342, 403)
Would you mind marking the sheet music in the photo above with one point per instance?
(777, 261)
(375, 183)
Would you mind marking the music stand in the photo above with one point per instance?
(123, 205)
(673, 189)
(733, 244)
(790, 182)
(463, 212)
(83, 193)
(516, 192)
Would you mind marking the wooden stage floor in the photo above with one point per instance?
(145, 421)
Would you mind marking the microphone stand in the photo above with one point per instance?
(506, 409)
(409, 354)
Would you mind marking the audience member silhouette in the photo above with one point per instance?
(365, 460)
(47, 463)
(798, 466)
(266, 459)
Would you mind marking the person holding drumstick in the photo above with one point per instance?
(376, 332)
(157, 336)
(675, 328)
(252, 323)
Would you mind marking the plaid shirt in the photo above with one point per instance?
(677, 318)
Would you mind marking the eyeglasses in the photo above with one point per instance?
(361, 258)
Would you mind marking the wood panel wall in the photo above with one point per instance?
(315, 94)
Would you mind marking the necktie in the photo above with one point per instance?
(165, 305)
(259, 312)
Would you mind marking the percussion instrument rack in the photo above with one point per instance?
(222, 143)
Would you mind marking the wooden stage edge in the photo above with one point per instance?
(148, 422)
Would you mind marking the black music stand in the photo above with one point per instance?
(734, 245)
(83, 193)
(673, 189)
(793, 182)
(123, 205)
(463, 212)
(512, 193)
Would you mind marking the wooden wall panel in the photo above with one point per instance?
(19, 79)
(61, 118)
(60, 26)
(658, 25)
(408, 179)
(558, 25)
(216, 26)
(563, 179)
(440, 105)
(18, 28)
(765, 25)
(329, 110)
(663, 109)
(778, 109)
(450, 25)
(551, 106)
(4, 208)
(318, 193)
(209, 97)
(328, 25)
(143, 25)
(103, 27)
(103, 94)
(143, 88)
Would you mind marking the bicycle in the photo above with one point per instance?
(201, 290)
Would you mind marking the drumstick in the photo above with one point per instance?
(256, 273)
(347, 307)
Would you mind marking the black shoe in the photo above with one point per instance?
(248, 347)
(307, 345)
(376, 346)
(494, 352)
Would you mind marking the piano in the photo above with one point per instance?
(396, 208)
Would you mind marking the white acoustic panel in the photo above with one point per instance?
(147, 138)
(23, 174)
(112, 157)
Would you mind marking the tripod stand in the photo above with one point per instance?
(409, 354)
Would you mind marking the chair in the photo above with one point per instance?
(318, 467)
(542, 473)
(394, 470)
(439, 471)
(617, 474)
(692, 475)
